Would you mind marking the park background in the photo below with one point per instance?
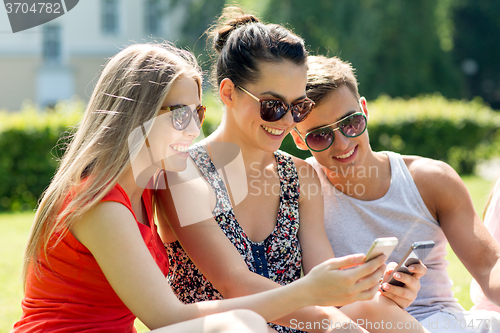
(429, 69)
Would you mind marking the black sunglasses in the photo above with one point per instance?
(182, 115)
(321, 138)
(273, 109)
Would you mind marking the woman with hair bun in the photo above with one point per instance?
(259, 221)
(94, 260)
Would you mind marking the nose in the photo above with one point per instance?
(192, 130)
(287, 119)
(340, 141)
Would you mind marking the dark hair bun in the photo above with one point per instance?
(230, 20)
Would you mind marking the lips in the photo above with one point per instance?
(273, 131)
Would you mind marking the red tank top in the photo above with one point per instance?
(72, 294)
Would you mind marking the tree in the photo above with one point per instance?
(477, 49)
(394, 45)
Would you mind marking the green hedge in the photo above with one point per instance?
(29, 155)
(31, 144)
(458, 132)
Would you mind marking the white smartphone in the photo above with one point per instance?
(380, 246)
(417, 252)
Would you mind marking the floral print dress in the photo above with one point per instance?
(278, 257)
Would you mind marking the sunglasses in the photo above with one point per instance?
(273, 110)
(321, 138)
(182, 115)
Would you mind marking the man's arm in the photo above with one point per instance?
(448, 200)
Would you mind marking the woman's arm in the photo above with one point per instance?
(110, 232)
(312, 235)
(217, 258)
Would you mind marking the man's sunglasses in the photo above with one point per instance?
(273, 110)
(321, 138)
(181, 115)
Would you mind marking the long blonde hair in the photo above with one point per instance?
(130, 91)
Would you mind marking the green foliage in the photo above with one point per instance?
(214, 111)
(399, 48)
(200, 16)
(29, 154)
(477, 32)
(396, 46)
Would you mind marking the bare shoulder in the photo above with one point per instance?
(439, 185)
(103, 220)
(427, 171)
(103, 211)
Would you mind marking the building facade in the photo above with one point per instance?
(62, 59)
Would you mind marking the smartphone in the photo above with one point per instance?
(418, 251)
(381, 246)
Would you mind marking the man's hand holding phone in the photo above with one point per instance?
(403, 296)
(401, 282)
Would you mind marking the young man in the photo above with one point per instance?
(371, 194)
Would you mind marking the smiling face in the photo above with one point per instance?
(283, 81)
(165, 142)
(344, 151)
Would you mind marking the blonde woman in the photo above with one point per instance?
(94, 261)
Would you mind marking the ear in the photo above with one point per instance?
(362, 102)
(227, 91)
(298, 140)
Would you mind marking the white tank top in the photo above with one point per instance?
(352, 225)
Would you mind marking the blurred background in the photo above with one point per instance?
(400, 48)
(430, 70)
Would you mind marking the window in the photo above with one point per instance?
(152, 17)
(52, 43)
(110, 17)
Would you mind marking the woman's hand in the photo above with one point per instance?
(403, 296)
(336, 282)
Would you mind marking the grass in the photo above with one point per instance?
(14, 231)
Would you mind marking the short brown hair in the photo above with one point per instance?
(327, 74)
